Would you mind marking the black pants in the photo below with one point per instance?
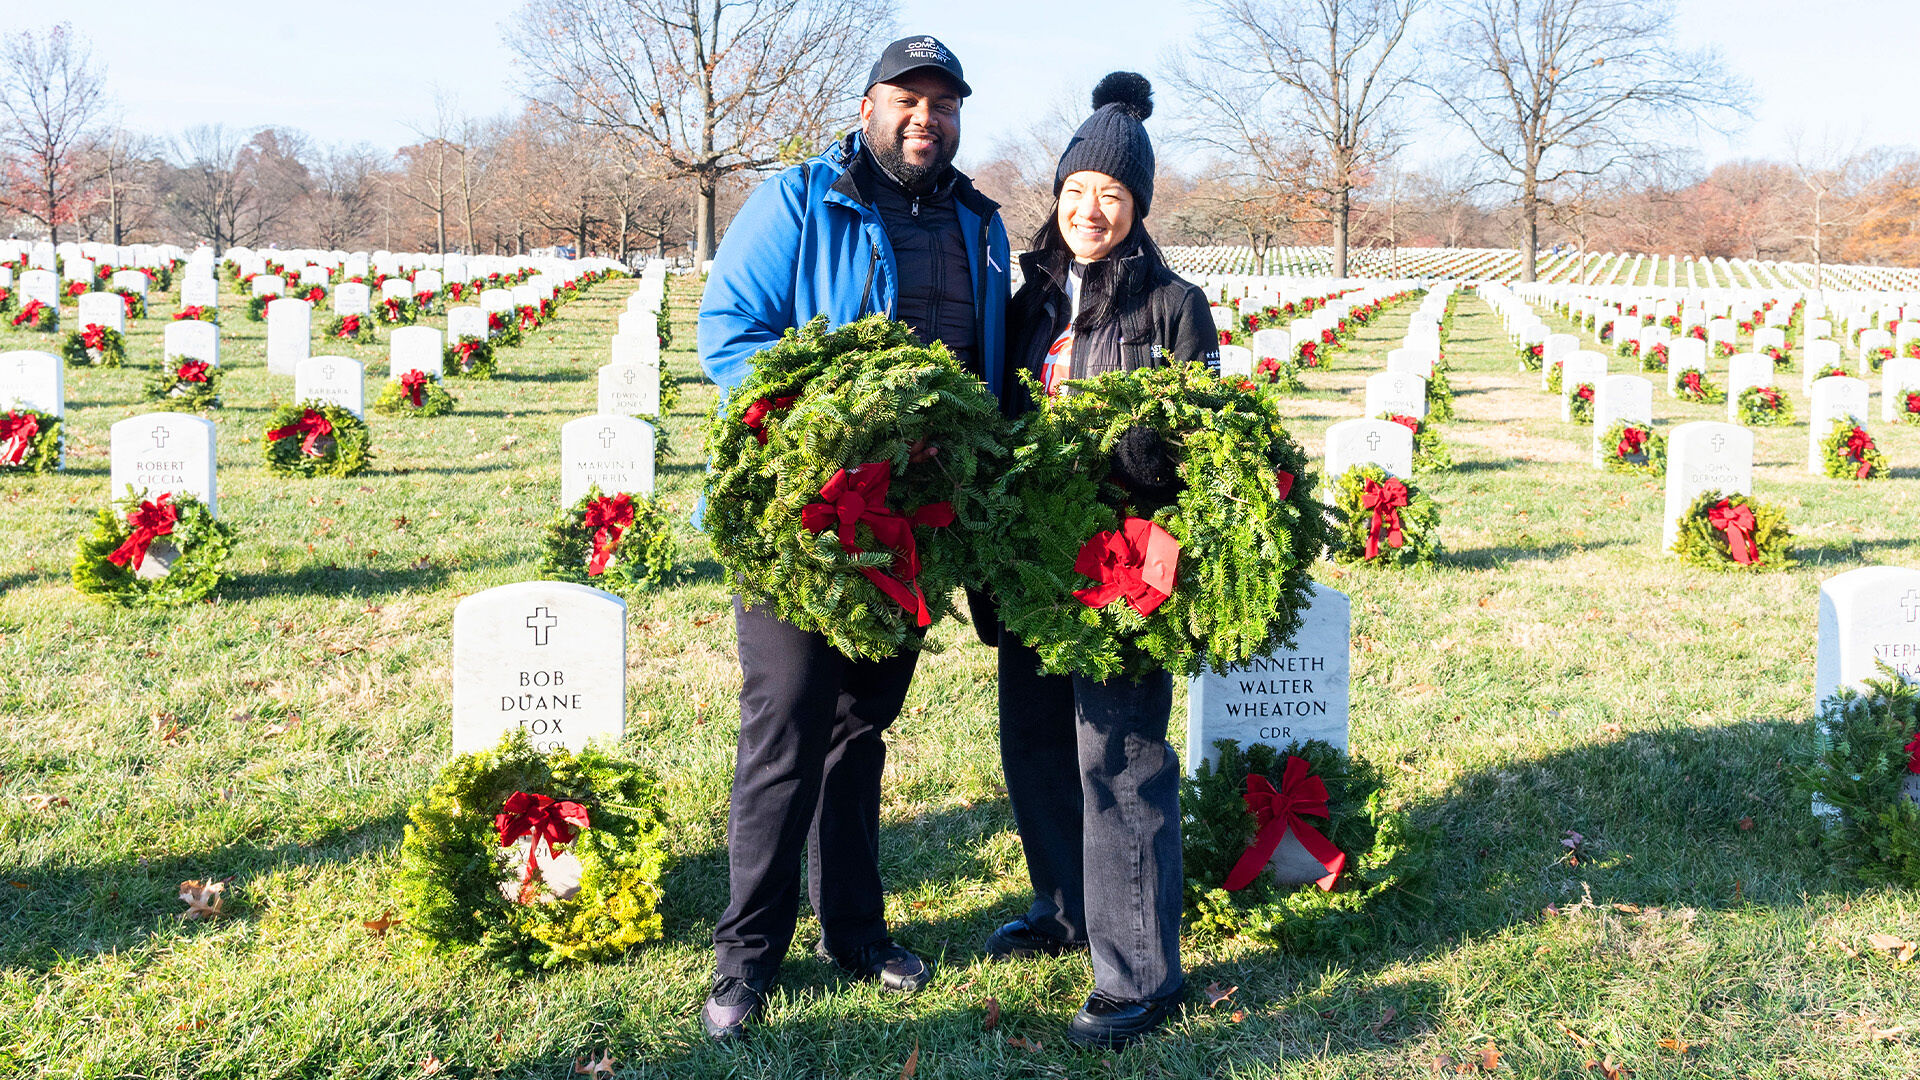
(1096, 796)
(807, 772)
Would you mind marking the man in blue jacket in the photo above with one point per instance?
(880, 222)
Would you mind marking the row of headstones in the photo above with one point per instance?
(1889, 326)
(44, 255)
(44, 285)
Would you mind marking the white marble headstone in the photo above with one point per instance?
(1620, 399)
(492, 300)
(1745, 371)
(629, 390)
(269, 285)
(335, 380)
(1685, 353)
(396, 289)
(134, 281)
(352, 298)
(1397, 392)
(1368, 441)
(606, 450)
(637, 349)
(163, 451)
(1272, 344)
(1900, 377)
(1819, 355)
(1235, 360)
(1868, 617)
(1580, 367)
(39, 285)
(1413, 361)
(35, 380)
(1834, 397)
(191, 339)
(102, 309)
(289, 334)
(545, 657)
(1704, 456)
(199, 292)
(1556, 347)
(415, 348)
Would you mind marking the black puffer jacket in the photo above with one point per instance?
(1158, 310)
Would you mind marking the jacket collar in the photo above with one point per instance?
(857, 179)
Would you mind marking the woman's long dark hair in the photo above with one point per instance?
(1133, 266)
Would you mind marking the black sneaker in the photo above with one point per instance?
(733, 1004)
(1021, 940)
(1106, 1023)
(896, 968)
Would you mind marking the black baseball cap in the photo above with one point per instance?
(912, 54)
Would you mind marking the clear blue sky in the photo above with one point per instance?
(353, 70)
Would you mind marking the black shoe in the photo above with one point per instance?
(1019, 940)
(896, 968)
(1105, 1023)
(733, 1004)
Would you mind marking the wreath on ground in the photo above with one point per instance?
(1531, 356)
(669, 388)
(194, 384)
(1831, 371)
(1654, 358)
(857, 481)
(663, 322)
(469, 358)
(471, 867)
(1764, 406)
(1553, 376)
(1877, 357)
(414, 393)
(1239, 808)
(1909, 411)
(1430, 453)
(396, 311)
(1850, 453)
(1723, 350)
(314, 438)
(29, 441)
(1692, 384)
(197, 312)
(1635, 448)
(1733, 532)
(136, 304)
(94, 345)
(622, 543)
(1782, 358)
(1439, 396)
(36, 315)
(257, 306)
(1580, 403)
(1165, 521)
(1279, 374)
(1866, 750)
(1313, 355)
(1383, 519)
(152, 552)
(356, 328)
(503, 331)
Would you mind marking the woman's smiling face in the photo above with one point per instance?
(1096, 214)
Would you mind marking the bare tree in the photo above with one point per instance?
(1553, 89)
(1328, 73)
(713, 87)
(50, 97)
(123, 163)
(1836, 180)
(205, 190)
(345, 182)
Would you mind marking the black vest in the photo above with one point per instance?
(930, 252)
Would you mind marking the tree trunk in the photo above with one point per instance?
(1342, 223)
(621, 242)
(1530, 208)
(703, 221)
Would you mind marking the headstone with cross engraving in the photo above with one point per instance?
(1376, 442)
(1868, 617)
(1704, 456)
(32, 380)
(466, 322)
(161, 452)
(1236, 361)
(190, 339)
(544, 657)
(1898, 379)
(1835, 397)
(1396, 393)
(1579, 369)
(102, 309)
(414, 348)
(352, 298)
(289, 334)
(1620, 399)
(335, 380)
(612, 452)
(630, 390)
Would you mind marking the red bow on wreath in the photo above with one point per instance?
(151, 520)
(1913, 754)
(191, 371)
(539, 816)
(17, 432)
(414, 382)
(1737, 523)
(94, 337)
(1858, 443)
(1691, 380)
(310, 427)
(1412, 424)
(1631, 440)
(1270, 368)
(1283, 482)
(858, 496)
(1768, 397)
(1385, 500)
(349, 326)
(1138, 561)
(466, 348)
(608, 517)
(757, 413)
(1277, 813)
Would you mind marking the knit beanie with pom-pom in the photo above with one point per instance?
(1113, 140)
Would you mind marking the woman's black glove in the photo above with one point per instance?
(1143, 463)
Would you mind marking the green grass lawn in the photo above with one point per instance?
(1553, 672)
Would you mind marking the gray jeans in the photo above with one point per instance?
(1096, 796)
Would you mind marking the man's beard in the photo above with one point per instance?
(886, 151)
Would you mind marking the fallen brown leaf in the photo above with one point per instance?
(1746, 824)
(1676, 1046)
(1237, 1015)
(1385, 1019)
(591, 1066)
(913, 1062)
(1579, 1040)
(1440, 1063)
(1608, 1069)
(706, 619)
(204, 899)
(45, 802)
(1019, 1043)
(1217, 994)
(1489, 1056)
(379, 927)
(992, 1018)
(432, 1066)
(1900, 947)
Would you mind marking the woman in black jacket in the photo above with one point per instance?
(1093, 783)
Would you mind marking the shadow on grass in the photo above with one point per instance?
(327, 580)
(1505, 553)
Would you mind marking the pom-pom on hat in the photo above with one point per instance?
(1113, 140)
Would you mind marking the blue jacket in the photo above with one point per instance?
(809, 242)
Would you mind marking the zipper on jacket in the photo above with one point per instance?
(866, 291)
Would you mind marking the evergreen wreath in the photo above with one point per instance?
(839, 435)
(469, 358)
(1642, 451)
(1909, 411)
(191, 384)
(1279, 374)
(1764, 406)
(1383, 855)
(1723, 350)
(94, 345)
(1734, 532)
(198, 312)
(1831, 371)
(1165, 521)
(1877, 357)
(1580, 403)
(1365, 495)
(7, 300)
(669, 388)
(135, 303)
(257, 307)
(1782, 357)
(1439, 396)
(413, 397)
(1692, 384)
(1654, 357)
(621, 543)
(1850, 453)
(314, 438)
(396, 311)
(663, 320)
(176, 530)
(1553, 376)
(455, 870)
(1430, 453)
(37, 315)
(360, 329)
(29, 441)
(1866, 748)
(1530, 357)
(503, 329)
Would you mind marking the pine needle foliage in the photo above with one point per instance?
(1419, 522)
(1858, 764)
(646, 556)
(202, 540)
(345, 452)
(1700, 544)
